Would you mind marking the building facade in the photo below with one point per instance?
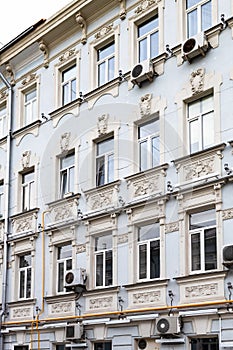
(116, 171)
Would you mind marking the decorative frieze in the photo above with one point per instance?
(104, 31)
(63, 210)
(25, 159)
(65, 142)
(100, 198)
(29, 79)
(81, 248)
(102, 124)
(147, 297)
(145, 5)
(67, 55)
(227, 214)
(201, 290)
(172, 227)
(26, 222)
(61, 307)
(122, 238)
(21, 312)
(101, 303)
(201, 167)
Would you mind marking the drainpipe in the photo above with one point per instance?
(7, 205)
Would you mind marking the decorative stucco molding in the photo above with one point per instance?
(25, 159)
(197, 81)
(122, 9)
(83, 25)
(122, 238)
(10, 72)
(100, 198)
(67, 55)
(145, 5)
(199, 168)
(26, 222)
(145, 105)
(227, 214)
(104, 31)
(172, 227)
(81, 248)
(65, 142)
(61, 307)
(102, 124)
(101, 303)
(146, 297)
(22, 312)
(201, 290)
(29, 79)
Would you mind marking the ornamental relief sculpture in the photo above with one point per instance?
(23, 312)
(102, 124)
(172, 227)
(101, 303)
(145, 105)
(227, 214)
(104, 31)
(25, 159)
(199, 168)
(68, 54)
(146, 297)
(197, 81)
(60, 308)
(146, 4)
(65, 142)
(201, 290)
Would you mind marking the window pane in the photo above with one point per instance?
(101, 73)
(71, 180)
(100, 171)
(210, 249)
(207, 104)
(142, 261)
(65, 251)
(22, 284)
(154, 44)
(105, 51)
(105, 146)
(110, 168)
(111, 67)
(60, 277)
(68, 74)
(65, 94)
(203, 219)
(148, 26)
(30, 95)
(67, 161)
(196, 254)
(148, 129)
(143, 50)
(103, 242)
(194, 136)
(190, 3)
(143, 155)
(154, 259)
(148, 232)
(73, 89)
(155, 151)
(108, 268)
(192, 23)
(63, 182)
(28, 286)
(208, 130)
(99, 269)
(206, 16)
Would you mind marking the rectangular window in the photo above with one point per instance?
(68, 85)
(148, 140)
(60, 347)
(1, 198)
(205, 343)
(201, 124)
(107, 345)
(3, 121)
(67, 174)
(103, 261)
(203, 241)
(106, 63)
(25, 278)
(199, 16)
(105, 162)
(64, 264)
(28, 190)
(21, 347)
(148, 39)
(149, 251)
(30, 106)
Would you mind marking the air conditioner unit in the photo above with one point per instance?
(74, 331)
(141, 72)
(75, 280)
(227, 254)
(167, 325)
(195, 46)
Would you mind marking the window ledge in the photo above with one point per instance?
(32, 128)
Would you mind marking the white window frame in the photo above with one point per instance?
(199, 118)
(201, 232)
(147, 242)
(103, 252)
(32, 82)
(197, 7)
(105, 60)
(3, 120)
(30, 106)
(68, 82)
(25, 271)
(147, 36)
(64, 262)
(149, 140)
(28, 191)
(107, 159)
(67, 170)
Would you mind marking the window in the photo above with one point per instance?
(64, 264)
(103, 261)
(201, 123)
(204, 343)
(3, 121)
(25, 279)
(68, 85)
(148, 140)
(67, 174)
(202, 229)
(149, 251)
(1, 198)
(30, 106)
(21, 347)
(106, 63)
(104, 162)
(28, 190)
(103, 345)
(60, 347)
(199, 16)
(148, 39)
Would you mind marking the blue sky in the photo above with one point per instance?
(16, 16)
